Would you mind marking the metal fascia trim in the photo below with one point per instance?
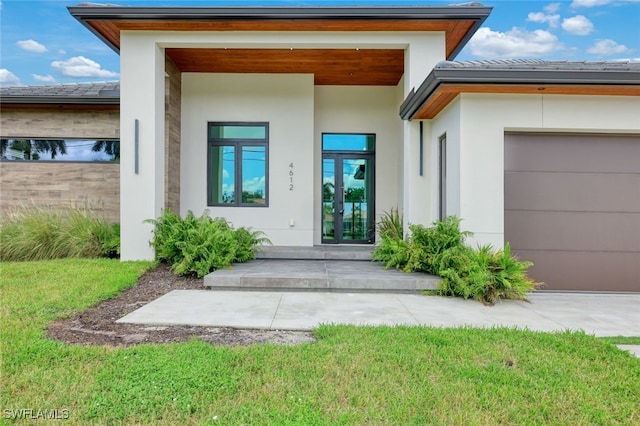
(186, 13)
(439, 76)
(44, 100)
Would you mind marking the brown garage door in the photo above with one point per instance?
(572, 206)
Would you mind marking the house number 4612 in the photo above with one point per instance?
(290, 176)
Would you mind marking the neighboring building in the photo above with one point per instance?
(308, 123)
(59, 147)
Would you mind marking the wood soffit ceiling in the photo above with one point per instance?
(448, 92)
(455, 30)
(379, 67)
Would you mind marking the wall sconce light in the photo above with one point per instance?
(136, 145)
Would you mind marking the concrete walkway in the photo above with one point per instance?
(597, 314)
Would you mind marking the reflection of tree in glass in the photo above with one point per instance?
(253, 197)
(4, 144)
(328, 190)
(355, 224)
(354, 195)
(111, 148)
(51, 146)
(31, 149)
(228, 197)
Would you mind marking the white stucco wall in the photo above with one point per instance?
(286, 102)
(481, 123)
(366, 109)
(141, 98)
(420, 58)
(447, 123)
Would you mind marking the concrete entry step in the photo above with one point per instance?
(326, 252)
(318, 275)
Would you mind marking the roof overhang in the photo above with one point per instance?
(59, 102)
(445, 83)
(459, 23)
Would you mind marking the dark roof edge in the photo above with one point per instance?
(471, 11)
(58, 100)
(468, 11)
(439, 76)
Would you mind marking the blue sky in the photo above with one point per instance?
(40, 43)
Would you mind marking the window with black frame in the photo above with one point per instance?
(72, 150)
(237, 160)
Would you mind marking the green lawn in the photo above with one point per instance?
(352, 375)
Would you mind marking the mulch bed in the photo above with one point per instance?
(97, 326)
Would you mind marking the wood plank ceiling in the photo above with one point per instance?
(358, 67)
(355, 67)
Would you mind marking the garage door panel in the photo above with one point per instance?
(572, 206)
(573, 153)
(617, 232)
(585, 192)
(584, 270)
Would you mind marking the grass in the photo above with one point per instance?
(39, 233)
(622, 340)
(352, 375)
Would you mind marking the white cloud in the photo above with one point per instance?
(79, 66)
(552, 8)
(607, 47)
(577, 25)
(31, 46)
(590, 3)
(44, 78)
(8, 78)
(254, 184)
(62, 52)
(594, 3)
(542, 18)
(514, 43)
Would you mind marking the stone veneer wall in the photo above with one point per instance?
(53, 184)
(59, 123)
(173, 100)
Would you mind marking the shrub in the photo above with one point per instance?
(391, 225)
(428, 245)
(483, 273)
(37, 233)
(199, 245)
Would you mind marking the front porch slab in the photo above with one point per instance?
(319, 275)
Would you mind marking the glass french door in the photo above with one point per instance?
(348, 213)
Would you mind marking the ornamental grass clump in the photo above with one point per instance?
(483, 273)
(200, 245)
(41, 233)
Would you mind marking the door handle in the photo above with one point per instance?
(343, 197)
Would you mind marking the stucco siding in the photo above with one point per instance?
(447, 123)
(286, 103)
(608, 114)
(142, 187)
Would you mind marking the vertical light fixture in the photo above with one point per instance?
(421, 150)
(135, 146)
